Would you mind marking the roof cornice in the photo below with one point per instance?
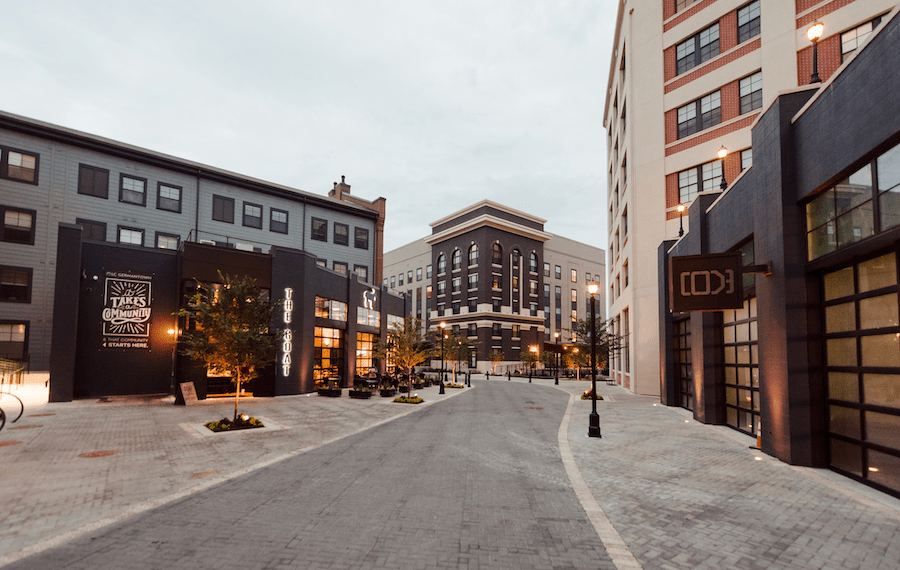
(491, 204)
(490, 221)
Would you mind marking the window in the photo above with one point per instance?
(368, 317)
(841, 215)
(441, 264)
(365, 350)
(428, 291)
(473, 281)
(361, 240)
(682, 4)
(340, 267)
(13, 337)
(533, 287)
(322, 263)
(703, 178)
(223, 209)
(418, 274)
(278, 221)
(516, 331)
(456, 284)
(574, 277)
(133, 236)
(15, 284)
(442, 288)
(697, 49)
(457, 259)
(751, 92)
(546, 270)
(253, 215)
(496, 303)
(362, 271)
(533, 263)
(19, 165)
(473, 255)
(625, 272)
(532, 307)
(473, 329)
(319, 229)
(496, 254)
(329, 309)
(409, 276)
(495, 281)
(496, 330)
(473, 305)
(393, 282)
(132, 190)
(852, 39)
(167, 241)
(748, 21)
(18, 225)
(93, 181)
(341, 234)
(428, 272)
(700, 114)
(574, 296)
(92, 230)
(625, 222)
(401, 279)
(558, 272)
(168, 197)
(746, 158)
(455, 306)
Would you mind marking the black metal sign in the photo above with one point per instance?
(711, 282)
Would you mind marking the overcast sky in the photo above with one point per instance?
(432, 105)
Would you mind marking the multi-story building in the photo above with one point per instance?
(688, 78)
(130, 210)
(492, 272)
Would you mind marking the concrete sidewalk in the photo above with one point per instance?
(678, 493)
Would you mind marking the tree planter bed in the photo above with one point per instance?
(360, 394)
(388, 392)
(329, 392)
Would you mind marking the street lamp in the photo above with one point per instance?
(680, 220)
(174, 333)
(556, 352)
(594, 421)
(814, 33)
(723, 152)
(443, 326)
(533, 348)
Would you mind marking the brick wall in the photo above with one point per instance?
(829, 60)
(819, 12)
(669, 11)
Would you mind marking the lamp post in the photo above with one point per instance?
(174, 333)
(814, 33)
(723, 152)
(534, 349)
(680, 220)
(443, 326)
(594, 421)
(556, 353)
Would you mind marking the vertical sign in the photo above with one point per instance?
(287, 335)
(126, 310)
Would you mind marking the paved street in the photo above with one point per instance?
(475, 478)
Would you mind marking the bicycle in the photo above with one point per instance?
(3, 413)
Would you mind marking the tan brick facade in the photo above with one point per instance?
(811, 18)
(669, 11)
(711, 134)
(722, 61)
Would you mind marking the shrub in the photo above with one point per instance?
(408, 400)
(587, 395)
(243, 422)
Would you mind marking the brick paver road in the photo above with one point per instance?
(474, 482)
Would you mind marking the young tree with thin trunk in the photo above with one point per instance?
(405, 347)
(229, 329)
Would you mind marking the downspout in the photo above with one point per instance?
(197, 211)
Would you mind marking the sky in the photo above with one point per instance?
(432, 105)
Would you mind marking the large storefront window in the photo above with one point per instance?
(741, 336)
(328, 309)
(862, 367)
(365, 344)
(684, 372)
(329, 356)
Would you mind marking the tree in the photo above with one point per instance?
(230, 329)
(496, 358)
(582, 330)
(406, 347)
(457, 348)
(529, 358)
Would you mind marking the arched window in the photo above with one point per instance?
(515, 258)
(497, 254)
(473, 255)
(533, 266)
(442, 264)
(457, 259)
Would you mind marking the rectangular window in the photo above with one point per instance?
(496, 303)
(748, 21)
(93, 181)
(574, 295)
(428, 291)
(700, 114)
(133, 236)
(843, 214)
(495, 281)
(558, 272)
(574, 276)
(751, 92)
(18, 225)
(341, 234)
(223, 209)
(340, 267)
(15, 284)
(533, 308)
(362, 271)
(682, 4)
(368, 317)
(455, 308)
(496, 330)
(393, 282)
(697, 49)
(92, 230)
(253, 215)
(456, 284)
(167, 241)
(278, 221)
(19, 165)
(168, 197)
(546, 270)
(319, 229)
(428, 272)
(329, 309)
(132, 190)
(409, 276)
(473, 329)
(746, 158)
(418, 274)
(13, 340)
(322, 263)
(401, 279)
(442, 288)
(361, 240)
(703, 178)
(473, 304)
(533, 287)
(473, 281)
(852, 39)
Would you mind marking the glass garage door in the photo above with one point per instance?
(862, 357)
